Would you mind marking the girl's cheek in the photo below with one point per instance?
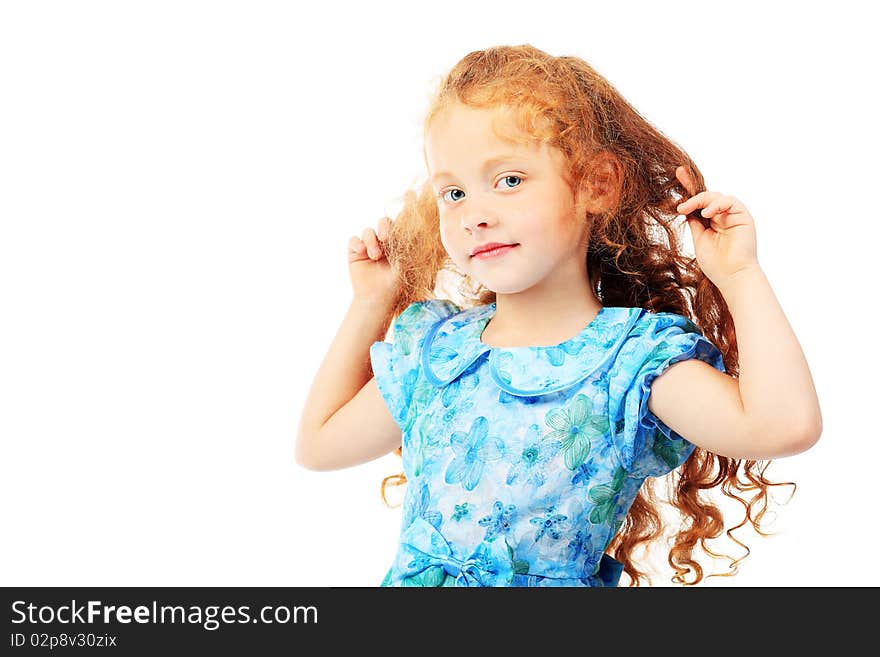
(445, 241)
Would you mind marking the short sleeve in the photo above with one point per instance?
(645, 445)
(396, 365)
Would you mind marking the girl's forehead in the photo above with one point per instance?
(460, 131)
(495, 122)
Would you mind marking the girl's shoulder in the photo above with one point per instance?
(419, 312)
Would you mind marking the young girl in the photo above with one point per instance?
(589, 356)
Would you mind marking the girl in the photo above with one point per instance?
(589, 356)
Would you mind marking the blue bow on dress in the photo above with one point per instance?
(422, 546)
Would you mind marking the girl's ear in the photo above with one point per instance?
(603, 184)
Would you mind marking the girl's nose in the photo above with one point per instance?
(470, 225)
(476, 218)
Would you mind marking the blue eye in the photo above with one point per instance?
(442, 195)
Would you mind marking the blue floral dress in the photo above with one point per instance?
(522, 462)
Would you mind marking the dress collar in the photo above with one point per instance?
(452, 344)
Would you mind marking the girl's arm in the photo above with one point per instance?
(775, 384)
(345, 420)
(771, 409)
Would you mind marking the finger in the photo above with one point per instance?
(384, 228)
(701, 200)
(720, 204)
(371, 241)
(375, 246)
(684, 175)
(356, 248)
(697, 228)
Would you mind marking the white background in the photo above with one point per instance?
(178, 184)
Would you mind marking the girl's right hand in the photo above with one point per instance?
(373, 278)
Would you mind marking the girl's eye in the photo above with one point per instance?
(514, 177)
(442, 195)
(448, 191)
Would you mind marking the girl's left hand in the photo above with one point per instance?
(727, 245)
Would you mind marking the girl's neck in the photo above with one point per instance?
(525, 320)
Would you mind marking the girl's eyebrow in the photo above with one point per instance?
(491, 162)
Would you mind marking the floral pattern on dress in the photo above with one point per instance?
(522, 462)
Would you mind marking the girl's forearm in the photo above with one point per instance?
(775, 384)
(346, 368)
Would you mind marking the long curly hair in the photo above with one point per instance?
(633, 256)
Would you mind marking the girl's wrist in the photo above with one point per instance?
(375, 303)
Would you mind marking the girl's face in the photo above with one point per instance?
(490, 190)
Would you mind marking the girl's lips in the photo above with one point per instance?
(494, 253)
